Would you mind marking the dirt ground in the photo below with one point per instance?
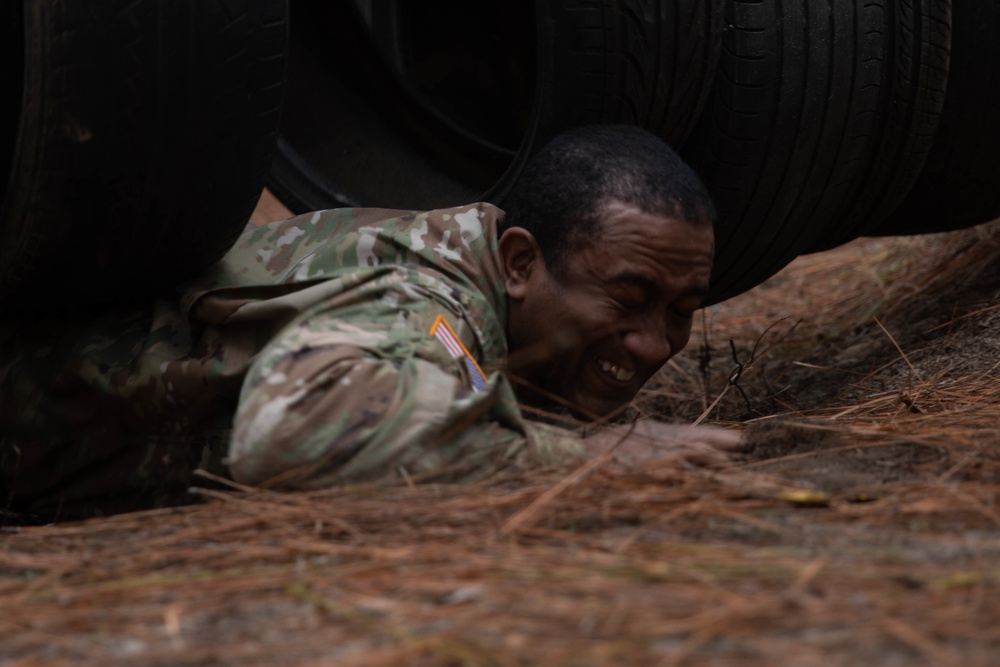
(861, 527)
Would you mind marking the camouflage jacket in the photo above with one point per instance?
(352, 344)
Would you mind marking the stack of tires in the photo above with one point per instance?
(812, 123)
(147, 128)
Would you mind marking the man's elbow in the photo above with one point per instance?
(300, 441)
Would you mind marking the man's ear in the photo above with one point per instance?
(519, 257)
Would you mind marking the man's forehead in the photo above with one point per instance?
(651, 282)
(638, 232)
(651, 253)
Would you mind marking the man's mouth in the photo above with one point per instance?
(619, 373)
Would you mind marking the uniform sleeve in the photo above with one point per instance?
(331, 400)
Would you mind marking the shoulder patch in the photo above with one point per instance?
(444, 333)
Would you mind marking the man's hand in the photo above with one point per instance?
(648, 439)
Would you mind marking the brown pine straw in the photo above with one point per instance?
(863, 530)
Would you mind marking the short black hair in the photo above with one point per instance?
(561, 195)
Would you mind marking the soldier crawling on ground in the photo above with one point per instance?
(364, 344)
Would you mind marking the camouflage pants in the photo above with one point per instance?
(70, 450)
(102, 473)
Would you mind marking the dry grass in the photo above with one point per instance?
(605, 575)
(862, 528)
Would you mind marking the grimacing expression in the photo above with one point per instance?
(593, 332)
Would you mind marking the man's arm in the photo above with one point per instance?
(359, 390)
(341, 395)
(321, 416)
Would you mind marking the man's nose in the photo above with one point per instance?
(649, 345)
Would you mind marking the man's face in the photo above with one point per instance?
(595, 331)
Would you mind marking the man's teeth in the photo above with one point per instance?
(617, 372)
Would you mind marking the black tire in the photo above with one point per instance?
(914, 98)
(146, 130)
(818, 113)
(960, 184)
(12, 74)
(440, 105)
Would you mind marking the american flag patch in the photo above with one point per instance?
(444, 333)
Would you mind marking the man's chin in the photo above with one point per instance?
(589, 409)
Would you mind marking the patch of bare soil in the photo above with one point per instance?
(860, 527)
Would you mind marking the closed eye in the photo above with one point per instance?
(630, 303)
(632, 292)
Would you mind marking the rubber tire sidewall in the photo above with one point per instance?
(959, 186)
(820, 114)
(147, 129)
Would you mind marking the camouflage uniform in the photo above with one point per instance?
(316, 332)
